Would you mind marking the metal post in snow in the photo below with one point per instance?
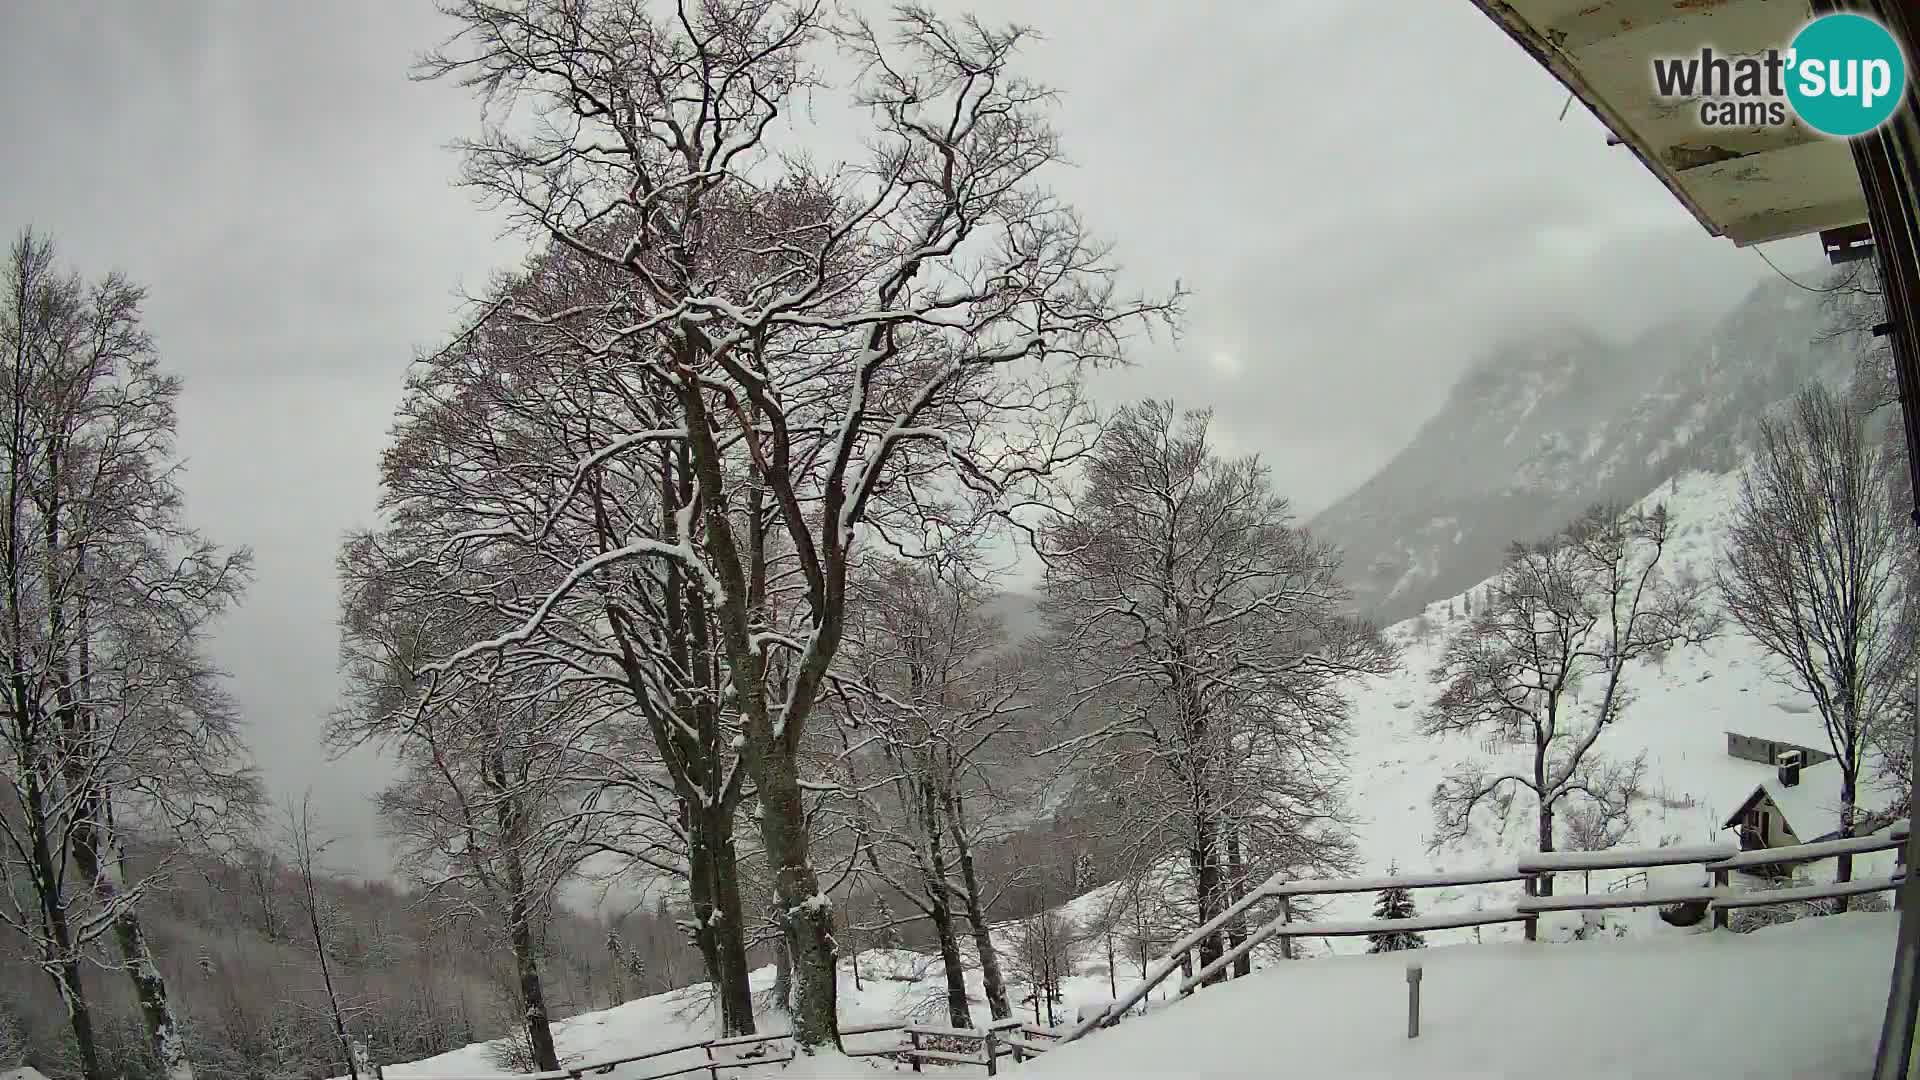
(1413, 999)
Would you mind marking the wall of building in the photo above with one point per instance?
(1776, 833)
(1767, 751)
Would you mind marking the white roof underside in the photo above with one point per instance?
(1750, 185)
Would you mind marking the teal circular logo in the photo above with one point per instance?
(1845, 75)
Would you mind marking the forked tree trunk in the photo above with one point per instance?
(164, 1037)
(736, 993)
(805, 913)
(991, 979)
(933, 873)
(719, 930)
(58, 955)
(100, 862)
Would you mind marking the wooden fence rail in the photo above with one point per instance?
(1718, 860)
(1020, 1040)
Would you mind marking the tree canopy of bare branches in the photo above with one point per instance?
(1816, 574)
(1211, 633)
(114, 719)
(933, 703)
(886, 348)
(1545, 664)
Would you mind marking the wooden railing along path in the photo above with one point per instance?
(1720, 897)
(929, 1044)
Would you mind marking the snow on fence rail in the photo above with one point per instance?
(1016, 1038)
(1720, 897)
(1010, 1037)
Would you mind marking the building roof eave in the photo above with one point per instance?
(1748, 184)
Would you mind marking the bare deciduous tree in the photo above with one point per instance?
(493, 803)
(1191, 608)
(114, 719)
(1816, 574)
(932, 699)
(1566, 616)
(306, 854)
(826, 345)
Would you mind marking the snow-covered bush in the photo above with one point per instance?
(1747, 920)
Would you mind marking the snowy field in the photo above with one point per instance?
(1680, 714)
(1801, 1000)
(1642, 1000)
(1796, 1001)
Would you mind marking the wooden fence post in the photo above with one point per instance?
(986, 1043)
(1286, 916)
(1720, 880)
(1900, 870)
(712, 1072)
(915, 1036)
(1531, 928)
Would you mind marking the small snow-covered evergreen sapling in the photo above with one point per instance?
(1394, 902)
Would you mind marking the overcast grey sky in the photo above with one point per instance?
(1360, 195)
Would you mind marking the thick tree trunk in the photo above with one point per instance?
(58, 953)
(1544, 882)
(526, 962)
(991, 979)
(99, 865)
(957, 1010)
(1844, 870)
(700, 900)
(1206, 877)
(805, 912)
(730, 937)
(1236, 890)
(782, 976)
(719, 933)
(526, 956)
(933, 876)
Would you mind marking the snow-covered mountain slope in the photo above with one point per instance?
(1541, 428)
(1682, 708)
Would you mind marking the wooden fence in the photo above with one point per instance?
(1720, 897)
(928, 1044)
(919, 1044)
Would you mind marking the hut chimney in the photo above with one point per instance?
(1789, 762)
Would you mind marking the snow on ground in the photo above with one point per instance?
(1793, 1001)
(1677, 998)
(1682, 708)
